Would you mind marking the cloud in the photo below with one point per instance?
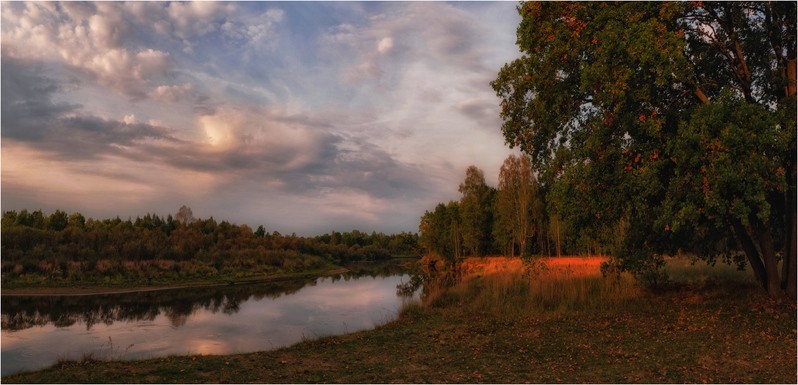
(197, 18)
(27, 105)
(385, 45)
(171, 93)
(324, 116)
(30, 114)
(485, 112)
(126, 46)
(434, 33)
(257, 31)
(97, 40)
(292, 155)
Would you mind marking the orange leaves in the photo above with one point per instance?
(609, 118)
(570, 20)
(533, 9)
(638, 158)
(654, 156)
(644, 117)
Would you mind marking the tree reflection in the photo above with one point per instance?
(23, 312)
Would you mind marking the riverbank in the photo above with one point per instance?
(557, 324)
(98, 290)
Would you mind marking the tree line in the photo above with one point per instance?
(515, 218)
(62, 247)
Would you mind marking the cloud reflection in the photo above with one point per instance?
(192, 322)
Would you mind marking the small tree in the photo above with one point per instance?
(441, 232)
(184, 215)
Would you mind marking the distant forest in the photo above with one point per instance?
(62, 248)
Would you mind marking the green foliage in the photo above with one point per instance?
(519, 207)
(476, 212)
(674, 122)
(440, 232)
(63, 249)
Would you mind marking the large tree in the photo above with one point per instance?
(671, 124)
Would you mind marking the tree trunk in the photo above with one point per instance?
(771, 265)
(512, 247)
(790, 87)
(790, 262)
(750, 251)
(558, 238)
(788, 267)
(788, 283)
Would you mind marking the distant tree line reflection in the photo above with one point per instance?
(22, 312)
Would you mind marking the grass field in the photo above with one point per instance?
(559, 321)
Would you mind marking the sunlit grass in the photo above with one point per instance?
(512, 285)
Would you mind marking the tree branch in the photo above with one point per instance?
(700, 94)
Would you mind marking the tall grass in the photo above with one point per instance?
(503, 285)
(698, 273)
(513, 286)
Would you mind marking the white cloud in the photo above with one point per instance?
(197, 18)
(385, 45)
(255, 32)
(171, 93)
(108, 30)
(381, 121)
(99, 43)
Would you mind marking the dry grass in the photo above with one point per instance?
(502, 284)
(505, 323)
(561, 267)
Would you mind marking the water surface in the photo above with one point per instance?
(38, 331)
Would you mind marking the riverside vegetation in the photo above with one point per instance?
(555, 320)
(63, 250)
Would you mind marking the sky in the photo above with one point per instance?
(302, 117)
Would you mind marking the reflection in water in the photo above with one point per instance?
(37, 331)
(64, 311)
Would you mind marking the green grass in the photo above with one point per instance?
(514, 328)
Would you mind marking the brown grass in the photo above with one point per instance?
(560, 266)
(505, 323)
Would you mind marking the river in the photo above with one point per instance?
(39, 331)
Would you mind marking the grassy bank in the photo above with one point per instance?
(165, 273)
(558, 322)
(138, 286)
